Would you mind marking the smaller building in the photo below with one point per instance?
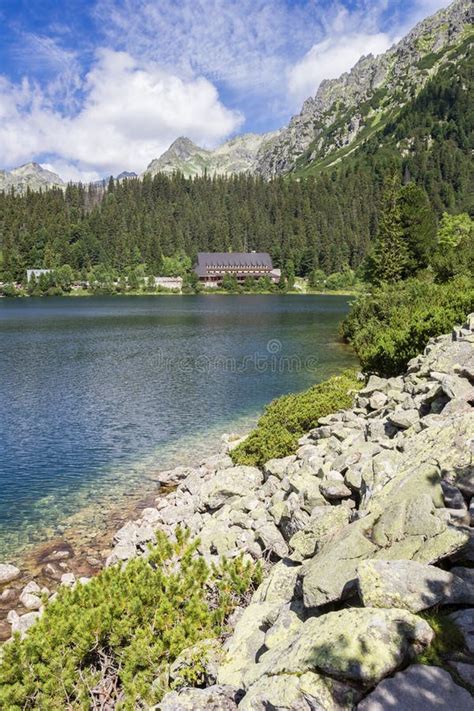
(212, 267)
(36, 273)
(169, 282)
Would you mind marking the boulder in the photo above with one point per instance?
(334, 490)
(404, 584)
(22, 624)
(418, 688)
(324, 521)
(227, 484)
(271, 539)
(30, 596)
(279, 584)
(357, 645)
(278, 467)
(214, 698)
(8, 573)
(247, 640)
(290, 620)
(464, 620)
(308, 692)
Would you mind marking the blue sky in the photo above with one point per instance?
(90, 88)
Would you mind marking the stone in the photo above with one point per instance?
(278, 467)
(374, 383)
(464, 620)
(214, 698)
(271, 539)
(464, 671)
(331, 574)
(290, 620)
(30, 596)
(248, 638)
(308, 692)
(403, 419)
(418, 688)
(22, 624)
(227, 484)
(307, 484)
(357, 644)
(404, 584)
(8, 573)
(334, 490)
(279, 584)
(68, 580)
(324, 521)
(377, 400)
(453, 499)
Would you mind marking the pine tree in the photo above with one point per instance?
(388, 257)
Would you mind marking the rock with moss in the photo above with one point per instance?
(305, 692)
(324, 521)
(404, 584)
(228, 484)
(357, 644)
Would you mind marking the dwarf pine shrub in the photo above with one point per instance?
(110, 643)
(287, 418)
(395, 322)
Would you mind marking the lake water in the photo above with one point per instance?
(98, 393)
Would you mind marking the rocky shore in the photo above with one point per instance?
(367, 526)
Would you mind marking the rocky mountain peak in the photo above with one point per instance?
(376, 86)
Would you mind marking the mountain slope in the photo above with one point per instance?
(348, 110)
(29, 175)
(239, 155)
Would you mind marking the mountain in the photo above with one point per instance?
(239, 155)
(29, 175)
(347, 111)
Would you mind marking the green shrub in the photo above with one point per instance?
(286, 419)
(113, 639)
(394, 323)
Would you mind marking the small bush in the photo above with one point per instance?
(286, 419)
(395, 322)
(109, 643)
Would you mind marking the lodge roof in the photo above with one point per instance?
(232, 260)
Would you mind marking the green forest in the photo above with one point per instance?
(321, 222)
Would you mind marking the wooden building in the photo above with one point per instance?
(211, 267)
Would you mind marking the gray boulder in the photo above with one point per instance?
(227, 484)
(418, 688)
(405, 584)
(8, 573)
(464, 620)
(289, 692)
(357, 644)
(214, 698)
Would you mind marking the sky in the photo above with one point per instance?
(92, 88)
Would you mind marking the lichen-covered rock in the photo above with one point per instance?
(324, 521)
(404, 584)
(356, 644)
(241, 649)
(290, 692)
(229, 483)
(418, 688)
(279, 585)
(214, 698)
(464, 620)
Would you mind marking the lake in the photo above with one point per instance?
(99, 393)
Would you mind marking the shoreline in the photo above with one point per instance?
(214, 292)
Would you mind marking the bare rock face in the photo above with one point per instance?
(239, 155)
(343, 107)
(30, 176)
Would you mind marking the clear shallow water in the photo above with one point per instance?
(97, 393)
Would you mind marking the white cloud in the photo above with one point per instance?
(131, 113)
(330, 58)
